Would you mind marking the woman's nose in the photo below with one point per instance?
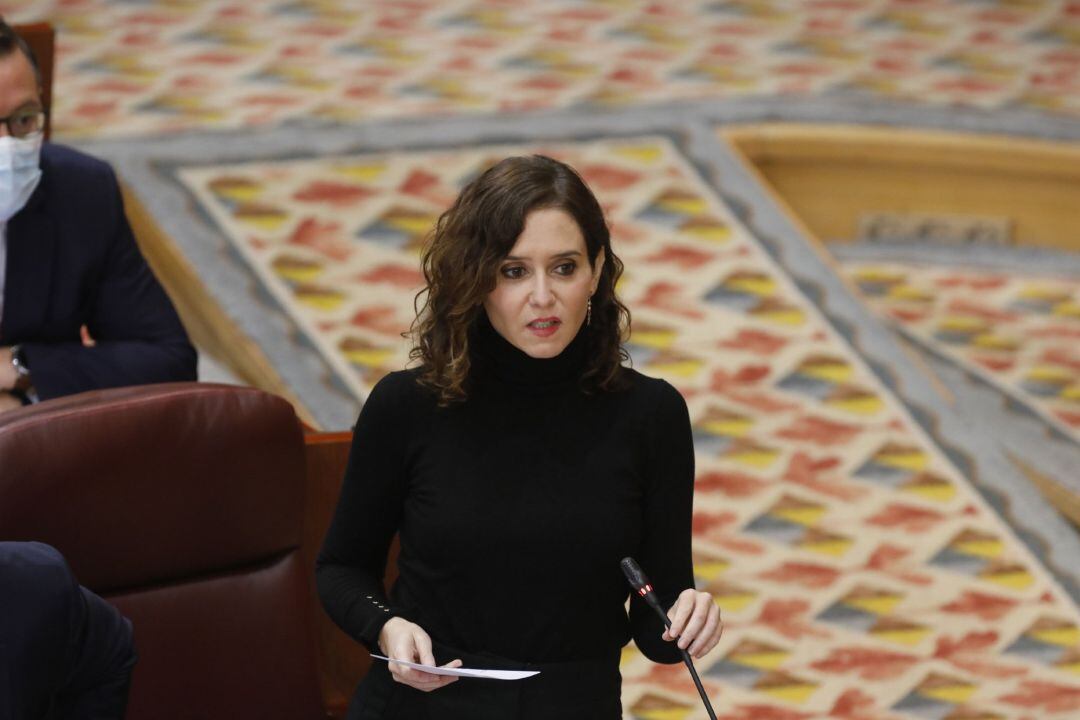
(541, 292)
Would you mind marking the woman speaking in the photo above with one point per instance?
(519, 461)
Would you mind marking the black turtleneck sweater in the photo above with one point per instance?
(514, 508)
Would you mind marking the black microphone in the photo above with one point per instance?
(641, 585)
(636, 577)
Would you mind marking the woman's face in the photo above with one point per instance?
(543, 286)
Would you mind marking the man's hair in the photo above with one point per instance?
(10, 41)
(461, 259)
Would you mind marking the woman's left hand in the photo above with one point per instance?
(695, 622)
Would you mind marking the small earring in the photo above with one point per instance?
(588, 312)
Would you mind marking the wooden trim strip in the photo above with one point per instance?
(210, 328)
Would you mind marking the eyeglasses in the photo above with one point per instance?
(23, 123)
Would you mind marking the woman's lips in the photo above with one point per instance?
(544, 327)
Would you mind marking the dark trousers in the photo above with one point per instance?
(580, 690)
(64, 652)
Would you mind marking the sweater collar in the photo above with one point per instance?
(493, 356)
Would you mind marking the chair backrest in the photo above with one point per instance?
(42, 40)
(183, 505)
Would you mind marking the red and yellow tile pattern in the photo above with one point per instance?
(1021, 332)
(135, 68)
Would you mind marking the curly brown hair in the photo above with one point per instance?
(461, 259)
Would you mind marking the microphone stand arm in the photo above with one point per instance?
(641, 586)
(650, 598)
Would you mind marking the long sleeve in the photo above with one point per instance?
(665, 553)
(350, 568)
(139, 337)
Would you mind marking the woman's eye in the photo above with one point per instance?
(566, 268)
(513, 272)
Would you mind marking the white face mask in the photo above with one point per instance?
(20, 172)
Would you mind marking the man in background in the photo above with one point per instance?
(68, 261)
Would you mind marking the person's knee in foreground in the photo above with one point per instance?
(64, 652)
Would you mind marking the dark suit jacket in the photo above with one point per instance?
(72, 261)
(64, 652)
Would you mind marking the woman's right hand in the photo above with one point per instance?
(400, 639)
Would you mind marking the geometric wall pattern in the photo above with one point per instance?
(860, 574)
(1020, 332)
(146, 68)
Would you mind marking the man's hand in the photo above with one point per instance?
(9, 402)
(7, 370)
(402, 640)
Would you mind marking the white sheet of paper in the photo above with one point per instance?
(466, 672)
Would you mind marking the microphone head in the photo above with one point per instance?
(633, 573)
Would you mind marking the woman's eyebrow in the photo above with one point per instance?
(566, 254)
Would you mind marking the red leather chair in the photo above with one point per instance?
(183, 505)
